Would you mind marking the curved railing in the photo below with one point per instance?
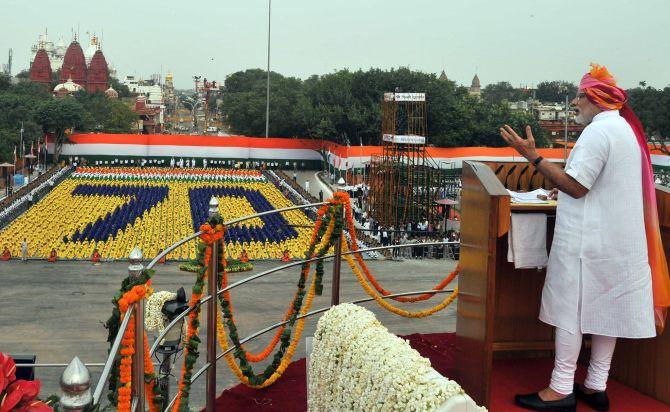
(136, 268)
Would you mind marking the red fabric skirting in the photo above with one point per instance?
(510, 376)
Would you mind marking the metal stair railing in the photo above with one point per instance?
(136, 268)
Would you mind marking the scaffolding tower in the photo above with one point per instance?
(404, 180)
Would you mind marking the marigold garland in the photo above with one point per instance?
(285, 362)
(263, 354)
(354, 247)
(283, 357)
(373, 294)
(210, 234)
(127, 351)
(329, 222)
(125, 370)
(150, 381)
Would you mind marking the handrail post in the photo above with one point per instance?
(337, 264)
(135, 270)
(75, 383)
(212, 289)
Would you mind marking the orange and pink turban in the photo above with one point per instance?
(600, 88)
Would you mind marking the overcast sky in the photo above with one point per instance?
(520, 41)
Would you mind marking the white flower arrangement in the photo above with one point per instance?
(358, 365)
(153, 317)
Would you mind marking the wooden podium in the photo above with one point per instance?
(498, 305)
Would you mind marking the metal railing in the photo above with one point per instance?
(137, 311)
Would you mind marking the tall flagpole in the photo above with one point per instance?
(14, 173)
(267, 97)
(23, 162)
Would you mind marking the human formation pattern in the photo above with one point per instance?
(115, 209)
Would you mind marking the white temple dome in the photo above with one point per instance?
(111, 93)
(91, 49)
(68, 87)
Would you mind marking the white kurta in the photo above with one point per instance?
(598, 275)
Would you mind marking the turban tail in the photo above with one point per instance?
(600, 88)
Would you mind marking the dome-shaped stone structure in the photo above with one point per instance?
(475, 82)
(40, 70)
(111, 93)
(74, 64)
(69, 87)
(475, 87)
(98, 73)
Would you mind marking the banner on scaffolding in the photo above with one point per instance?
(404, 139)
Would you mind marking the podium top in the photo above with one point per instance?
(550, 206)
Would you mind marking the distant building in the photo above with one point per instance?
(443, 76)
(150, 118)
(150, 89)
(89, 74)
(169, 97)
(67, 88)
(55, 52)
(551, 117)
(40, 70)
(475, 87)
(111, 93)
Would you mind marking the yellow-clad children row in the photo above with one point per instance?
(52, 222)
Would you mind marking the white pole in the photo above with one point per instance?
(565, 137)
(23, 160)
(267, 97)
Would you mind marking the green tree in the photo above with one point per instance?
(58, 115)
(122, 89)
(345, 106)
(555, 91)
(5, 82)
(244, 103)
(119, 118)
(503, 92)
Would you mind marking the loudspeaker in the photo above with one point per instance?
(25, 373)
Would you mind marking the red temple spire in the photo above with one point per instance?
(40, 70)
(98, 73)
(74, 65)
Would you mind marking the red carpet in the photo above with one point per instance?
(509, 377)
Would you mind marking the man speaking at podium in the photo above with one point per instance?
(607, 274)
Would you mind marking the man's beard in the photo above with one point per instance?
(583, 119)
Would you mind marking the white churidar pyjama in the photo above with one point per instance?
(568, 346)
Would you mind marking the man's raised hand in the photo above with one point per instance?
(525, 147)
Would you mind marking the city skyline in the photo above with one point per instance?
(522, 42)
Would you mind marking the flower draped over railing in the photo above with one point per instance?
(358, 365)
(329, 222)
(133, 289)
(334, 221)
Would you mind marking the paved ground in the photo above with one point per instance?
(57, 310)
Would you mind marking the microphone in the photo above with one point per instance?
(509, 172)
(530, 182)
(518, 181)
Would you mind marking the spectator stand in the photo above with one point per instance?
(20, 201)
(299, 196)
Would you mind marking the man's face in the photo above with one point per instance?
(585, 111)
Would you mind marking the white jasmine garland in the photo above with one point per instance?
(357, 365)
(153, 317)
